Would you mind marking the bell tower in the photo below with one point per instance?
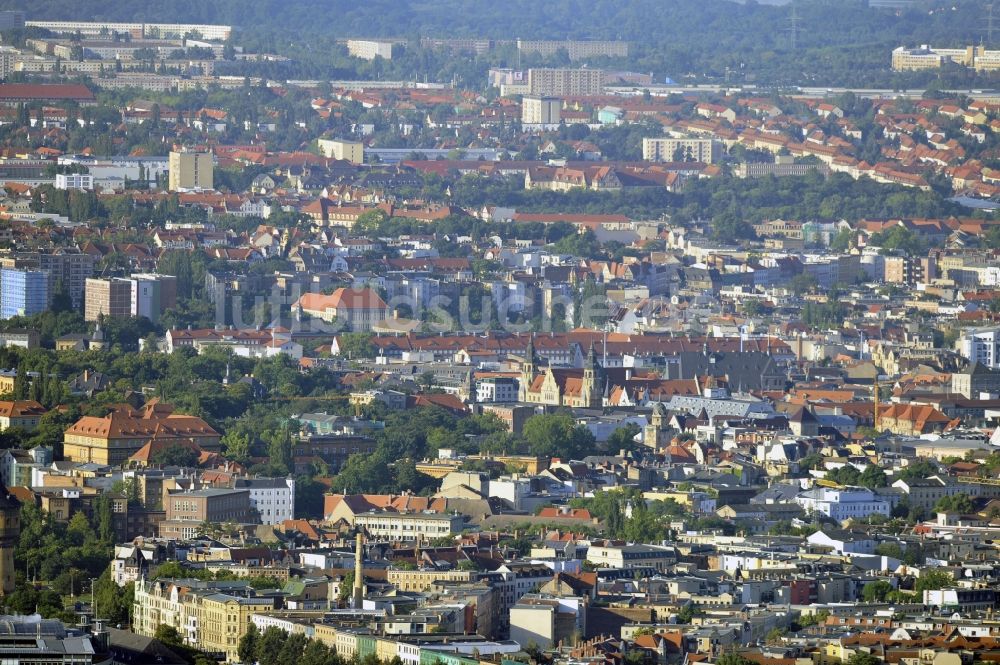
(590, 396)
(527, 370)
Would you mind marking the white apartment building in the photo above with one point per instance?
(74, 181)
(981, 346)
(369, 49)
(272, 498)
(843, 503)
(409, 526)
(541, 110)
(496, 389)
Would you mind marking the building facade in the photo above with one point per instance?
(24, 292)
(565, 82)
(190, 169)
(540, 110)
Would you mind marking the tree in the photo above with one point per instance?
(876, 592)
(732, 658)
(175, 455)
(169, 635)
(557, 435)
(862, 658)
(957, 503)
(873, 476)
(802, 283)
(931, 580)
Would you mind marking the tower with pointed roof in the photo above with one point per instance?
(527, 370)
(590, 388)
(654, 434)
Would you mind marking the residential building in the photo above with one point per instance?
(546, 621)
(981, 346)
(409, 526)
(369, 49)
(152, 294)
(496, 389)
(187, 510)
(605, 555)
(565, 82)
(107, 297)
(210, 616)
(83, 181)
(924, 493)
(272, 498)
(357, 310)
(681, 149)
(540, 110)
(24, 292)
(190, 169)
(23, 414)
(342, 149)
(843, 503)
(576, 49)
(975, 380)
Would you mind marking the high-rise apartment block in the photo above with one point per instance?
(682, 149)
(369, 49)
(540, 110)
(146, 295)
(107, 297)
(565, 82)
(190, 169)
(350, 151)
(152, 294)
(576, 49)
(24, 292)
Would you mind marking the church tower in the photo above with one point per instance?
(593, 376)
(10, 531)
(654, 434)
(527, 370)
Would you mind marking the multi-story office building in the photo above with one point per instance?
(565, 82)
(107, 297)
(24, 292)
(576, 49)
(190, 169)
(369, 49)
(929, 57)
(682, 149)
(541, 110)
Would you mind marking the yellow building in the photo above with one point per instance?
(351, 151)
(190, 169)
(119, 435)
(423, 580)
(223, 621)
(205, 618)
(928, 57)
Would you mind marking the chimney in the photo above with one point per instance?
(359, 573)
